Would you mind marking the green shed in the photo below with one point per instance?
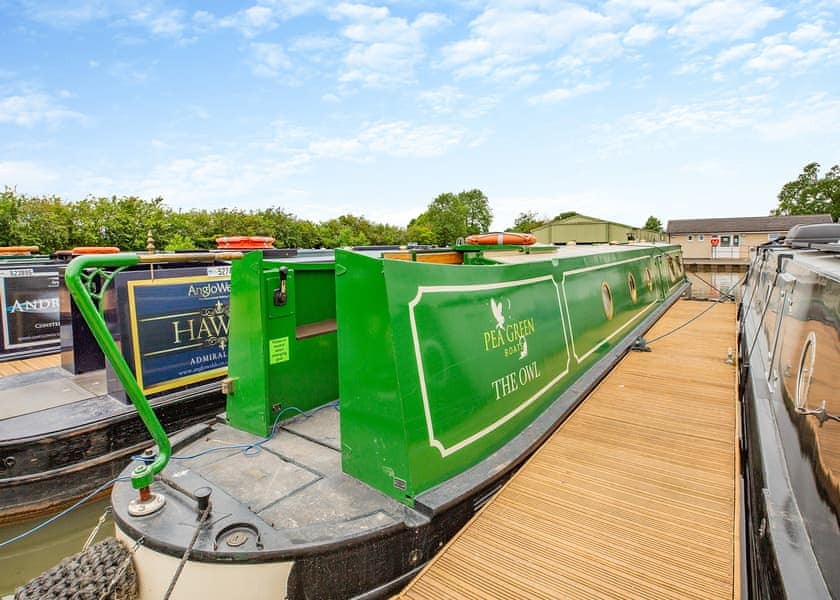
(590, 230)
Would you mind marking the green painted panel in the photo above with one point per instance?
(271, 363)
(449, 362)
(497, 340)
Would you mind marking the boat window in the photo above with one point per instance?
(736, 240)
(700, 237)
(631, 283)
(806, 372)
(690, 238)
(607, 300)
(648, 280)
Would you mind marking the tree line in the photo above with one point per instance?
(52, 223)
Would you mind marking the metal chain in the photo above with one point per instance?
(96, 528)
(122, 568)
(187, 552)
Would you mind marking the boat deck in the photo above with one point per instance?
(635, 495)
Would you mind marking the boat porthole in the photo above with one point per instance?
(607, 300)
(631, 283)
(648, 279)
(806, 372)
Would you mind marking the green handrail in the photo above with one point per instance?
(142, 475)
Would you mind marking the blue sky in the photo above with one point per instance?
(619, 109)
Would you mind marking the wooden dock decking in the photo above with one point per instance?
(15, 367)
(636, 495)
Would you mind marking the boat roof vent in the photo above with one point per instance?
(806, 236)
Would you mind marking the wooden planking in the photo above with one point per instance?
(14, 367)
(634, 496)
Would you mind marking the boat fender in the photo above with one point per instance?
(105, 570)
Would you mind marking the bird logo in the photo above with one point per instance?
(496, 308)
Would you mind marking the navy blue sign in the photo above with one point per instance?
(179, 330)
(31, 309)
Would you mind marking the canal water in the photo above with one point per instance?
(708, 285)
(31, 556)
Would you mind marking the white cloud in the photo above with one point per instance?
(30, 109)
(561, 94)
(64, 15)
(251, 21)
(775, 56)
(640, 35)
(430, 21)
(714, 117)
(384, 50)
(734, 53)
(210, 180)
(502, 38)
(449, 101)
(27, 175)
(165, 23)
(268, 60)
(810, 32)
(391, 138)
(650, 9)
(725, 20)
(818, 114)
(153, 16)
(259, 18)
(781, 51)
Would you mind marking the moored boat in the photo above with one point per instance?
(374, 404)
(67, 430)
(790, 325)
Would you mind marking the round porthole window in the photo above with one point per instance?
(648, 280)
(607, 300)
(806, 372)
(631, 285)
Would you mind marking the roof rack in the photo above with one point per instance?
(824, 237)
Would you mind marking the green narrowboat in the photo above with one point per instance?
(375, 401)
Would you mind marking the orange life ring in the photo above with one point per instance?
(502, 238)
(18, 250)
(95, 250)
(245, 242)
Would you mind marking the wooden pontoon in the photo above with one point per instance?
(634, 496)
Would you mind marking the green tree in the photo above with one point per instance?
(810, 194)
(179, 241)
(526, 222)
(9, 210)
(653, 224)
(452, 216)
(565, 215)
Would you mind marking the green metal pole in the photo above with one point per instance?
(143, 475)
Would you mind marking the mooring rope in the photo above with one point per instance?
(63, 513)
(725, 297)
(187, 552)
(96, 528)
